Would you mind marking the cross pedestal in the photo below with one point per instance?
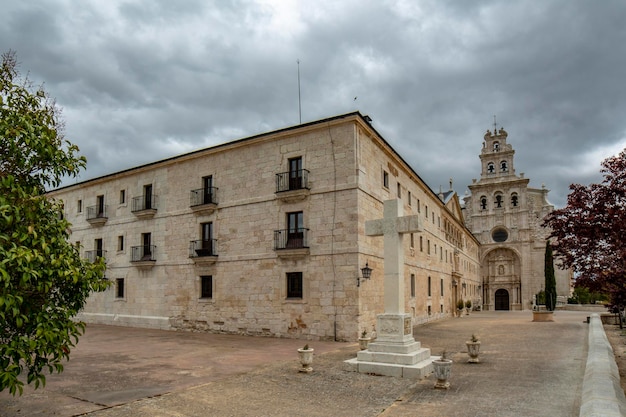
(395, 352)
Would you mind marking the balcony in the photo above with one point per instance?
(203, 200)
(291, 242)
(93, 255)
(143, 256)
(292, 186)
(144, 206)
(203, 251)
(97, 215)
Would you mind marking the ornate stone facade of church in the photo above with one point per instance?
(505, 215)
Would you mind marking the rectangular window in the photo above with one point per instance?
(441, 283)
(206, 245)
(80, 206)
(429, 287)
(295, 229)
(99, 206)
(428, 247)
(119, 288)
(419, 206)
(412, 240)
(429, 310)
(385, 179)
(147, 197)
(426, 213)
(399, 191)
(120, 243)
(294, 285)
(122, 196)
(408, 197)
(206, 286)
(146, 239)
(206, 230)
(97, 245)
(207, 190)
(412, 285)
(295, 173)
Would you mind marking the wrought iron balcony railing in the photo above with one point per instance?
(96, 212)
(291, 239)
(199, 248)
(144, 202)
(294, 180)
(142, 253)
(203, 196)
(93, 255)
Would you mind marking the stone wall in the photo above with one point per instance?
(602, 393)
(345, 159)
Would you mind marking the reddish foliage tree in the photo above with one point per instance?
(590, 231)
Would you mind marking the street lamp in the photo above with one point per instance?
(366, 273)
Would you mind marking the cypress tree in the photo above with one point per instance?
(550, 279)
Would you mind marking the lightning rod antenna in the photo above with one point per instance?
(299, 97)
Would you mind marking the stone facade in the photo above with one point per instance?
(505, 215)
(265, 236)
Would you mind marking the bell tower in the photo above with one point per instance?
(496, 156)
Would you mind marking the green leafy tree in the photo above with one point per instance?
(44, 282)
(550, 280)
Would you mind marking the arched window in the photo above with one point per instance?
(483, 203)
(514, 200)
(491, 168)
(496, 146)
(503, 166)
(498, 201)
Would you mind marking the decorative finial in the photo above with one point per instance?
(450, 184)
(495, 125)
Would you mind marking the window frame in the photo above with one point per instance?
(294, 292)
(120, 289)
(206, 287)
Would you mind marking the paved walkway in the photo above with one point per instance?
(527, 369)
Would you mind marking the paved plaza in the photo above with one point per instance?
(526, 369)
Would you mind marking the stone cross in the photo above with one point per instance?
(393, 226)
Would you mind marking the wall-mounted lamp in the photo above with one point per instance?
(366, 273)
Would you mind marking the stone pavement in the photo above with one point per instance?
(526, 369)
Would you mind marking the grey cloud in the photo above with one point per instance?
(141, 81)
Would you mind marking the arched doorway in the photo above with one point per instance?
(501, 269)
(502, 299)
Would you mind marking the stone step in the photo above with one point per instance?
(419, 370)
(411, 358)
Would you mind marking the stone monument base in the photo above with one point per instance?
(394, 353)
(417, 364)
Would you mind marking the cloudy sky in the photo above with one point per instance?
(140, 81)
